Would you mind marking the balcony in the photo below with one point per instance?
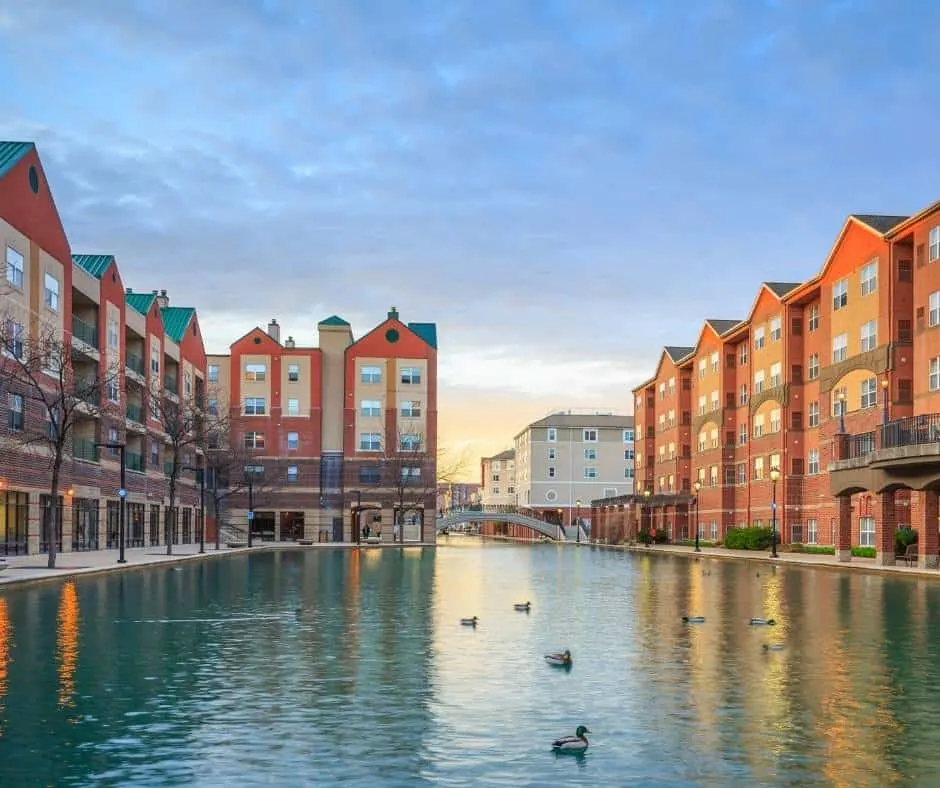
(171, 385)
(900, 453)
(168, 468)
(135, 413)
(135, 367)
(83, 449)
(85, 333)
(134, 462)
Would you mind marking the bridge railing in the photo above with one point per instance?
(535, 514)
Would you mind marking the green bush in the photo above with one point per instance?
(903, 537)
(748, 538)
(819, 549)
(644, 536)
(863, 552)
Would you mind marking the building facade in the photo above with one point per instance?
(569, 458)
(498, 479)
(458, 495)
(795, 416)
(126, 354)
(339, 436)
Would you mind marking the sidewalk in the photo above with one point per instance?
(814, 560)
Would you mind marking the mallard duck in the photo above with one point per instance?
(772, 646)
(693, 619)
(469, 622)
(522, 607)
(577, 743)
(762, 622)
(559, 658)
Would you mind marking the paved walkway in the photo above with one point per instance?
(816, 560)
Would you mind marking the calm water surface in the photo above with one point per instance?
(208, 676)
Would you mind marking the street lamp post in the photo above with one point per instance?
(646, 501)
(697, 486)
(577, 518)
(884, 401)
(201, 476)
(122, 494)
(774, 478)
(358, 515)
(842, 412)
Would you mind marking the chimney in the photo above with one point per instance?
(393, 314)
(274, 330)
(128, 291)
(290, 343)
(162, 299)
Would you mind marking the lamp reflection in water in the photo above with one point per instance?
(6, 641)
(67, 644)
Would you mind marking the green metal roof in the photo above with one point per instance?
(140, 301)
(176, 320)
(11, 153)
(94, 264)
(335, 320)
(427, 332)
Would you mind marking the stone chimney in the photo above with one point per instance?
(274, 330)
(290, 343)
(163, 299)
(393, 314)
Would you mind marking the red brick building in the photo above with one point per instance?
(829, 386)
(145, 349)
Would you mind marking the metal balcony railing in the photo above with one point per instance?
(168, 468)
(134, 462)
(83, 449)
(171, 384)
(86, 332)
(135, 413)
(134, 363)
(909, 431)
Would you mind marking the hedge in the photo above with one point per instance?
(748, 538)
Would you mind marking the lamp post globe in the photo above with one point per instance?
(698, 487)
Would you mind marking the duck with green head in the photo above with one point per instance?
(573, 744)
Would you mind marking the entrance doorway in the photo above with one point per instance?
(292, 526)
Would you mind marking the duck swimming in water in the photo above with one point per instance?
(559, 658)
(469, 622)
(693, 619)
(772, 647)
(762, 622)
(522, 607)
(573, 744)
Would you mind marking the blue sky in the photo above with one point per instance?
(563, 187)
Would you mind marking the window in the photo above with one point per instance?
(742, 435)
(628, 454)
(758, 468)
(758, 381)
(671, 418)
(840, 294)
(715, 360)
(113, 438)
(933, 251)
(628, 473)
(758, 426)
(840, 348)
(775, 329)
(702, 440)
(16, 408)
(188, 384)
(293, 373)
(293, 407)
(410, 376)
(713, 439)
(813, 322)
(702, 366)
(113, 341)
(154, 453)
(933, 305)
(254, 406)
(370, 375)
(742, 473)
(370, 441)
(413, 476)
(291, 474)
(742, 355)
(114, 392)
(934, 375)
(775, 420)
(293, 441)
(551, 471)
(13, 339)
(14, 268)
(410, 409)
(590, 472)
(812, 530)
(154, 408)
(869, 393)
(551, 453)
(662, 391)
(812, 462)
(869, 278)
(370, 408)
(589, 436)
(775, 375)
(155, 361)
(552, 434)
(714, 400)
(628, 436)
(254, 440)
(869, 336)
(590, 454)
(812, 368)
(742, 394)
(812, 414)
(758, 338)
(866, 531)
(713, 476)
(52, 293)
(701, 405)
(409, 443)
(255, 373)
(672, 386)
(212, 406)
(213, 372)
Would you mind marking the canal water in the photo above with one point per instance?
(328, 667)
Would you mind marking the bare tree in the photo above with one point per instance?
(49, 395)
(182, 421)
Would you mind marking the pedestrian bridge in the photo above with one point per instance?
(451, 519)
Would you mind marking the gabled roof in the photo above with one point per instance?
(334, 320)
(780, 289)
(141, 302)
(94, 264)
(508, 454)
(911, 220)
(11, 153)
(427, 332)
(678, 352)
(882, 223)
(176, 320)
(722, 326)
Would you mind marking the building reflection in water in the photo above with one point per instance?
(67, 644)
(6, 642)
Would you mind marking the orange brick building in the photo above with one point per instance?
(832, 384)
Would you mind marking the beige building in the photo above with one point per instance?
(498, 477)
(568, 457)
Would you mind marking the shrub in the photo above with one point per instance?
(644, 536)
(819, 549)
(748, 538)
(863, 552)
(903, 537)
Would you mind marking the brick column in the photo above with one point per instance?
(886, 526)
(844, 529)
(925, 511)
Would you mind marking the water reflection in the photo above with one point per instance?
(67, 644)
(6, 644)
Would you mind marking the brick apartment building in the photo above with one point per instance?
(830, 386)
(341, 436)
(141, 345)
